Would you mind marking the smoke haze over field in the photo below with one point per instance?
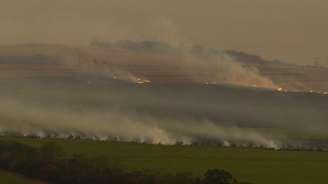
(163, 113)
(164, 71)
(114, 125)
(285, 29)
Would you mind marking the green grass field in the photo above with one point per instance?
(254, 165)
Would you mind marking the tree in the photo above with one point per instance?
(218, 176)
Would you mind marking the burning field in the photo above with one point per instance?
(150, 92)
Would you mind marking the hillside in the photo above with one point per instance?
(158, 63)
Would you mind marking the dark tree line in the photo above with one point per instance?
(49, 163)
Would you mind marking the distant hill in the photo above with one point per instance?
(288, 76)
(156, 61)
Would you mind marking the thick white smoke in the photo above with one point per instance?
(222, 69)
(128, 61)
(29, 120)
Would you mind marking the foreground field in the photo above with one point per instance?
(253, 165)
(10, 178)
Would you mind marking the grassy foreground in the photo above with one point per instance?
(10, 178)
(253, 165)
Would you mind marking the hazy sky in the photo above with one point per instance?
(294, 30)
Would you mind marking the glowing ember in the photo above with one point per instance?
(142, 81)
(147, 81)
(280, 89)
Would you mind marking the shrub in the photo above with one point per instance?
(218, 176)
